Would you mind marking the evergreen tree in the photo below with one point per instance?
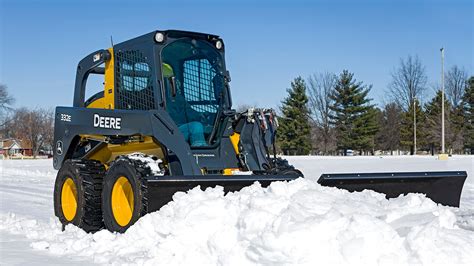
(433, 123)
(380, 135)
(353, 116)
(366, 127)
(406, 129)
(294, 131)
(458, 128)
(468, 107)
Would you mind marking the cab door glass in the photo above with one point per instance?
(193, 71)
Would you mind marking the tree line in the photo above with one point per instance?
(330, 114)
(34, 126)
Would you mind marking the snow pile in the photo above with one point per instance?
(298, 222)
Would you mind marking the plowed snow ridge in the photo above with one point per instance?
(298, 222)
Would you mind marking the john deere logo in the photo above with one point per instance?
(59, 147)
(107, 122)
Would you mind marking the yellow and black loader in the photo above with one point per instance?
(164, 123)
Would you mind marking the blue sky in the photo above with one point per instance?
(268, 43)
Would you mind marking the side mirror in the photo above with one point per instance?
(172, 81)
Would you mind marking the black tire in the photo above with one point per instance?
(87, 176)
(135, 172)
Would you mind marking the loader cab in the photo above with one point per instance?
(181, 72)
(194, 89)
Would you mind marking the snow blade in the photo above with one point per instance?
(161, 189)
(442, 187)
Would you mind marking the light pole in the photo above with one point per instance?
(442, 101)
(414, 125)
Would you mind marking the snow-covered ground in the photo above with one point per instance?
(288, 223)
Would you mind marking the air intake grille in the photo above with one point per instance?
(198, 85)
(134, 81)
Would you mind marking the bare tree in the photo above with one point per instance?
(388, 137)
(408, 81)
(6, 129)
(320, 89)
(35, 127)
(456, 82)
(48, 130)
(6, 100)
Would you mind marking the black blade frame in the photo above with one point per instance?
(160, 189)
(442, 187)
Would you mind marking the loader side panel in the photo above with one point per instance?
(107, 152)
(71, 122)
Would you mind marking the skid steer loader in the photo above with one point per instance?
(164, 123)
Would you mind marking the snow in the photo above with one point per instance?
(298, 222)
(151, 162)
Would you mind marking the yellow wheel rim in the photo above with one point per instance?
(122, 201)
(69, 199)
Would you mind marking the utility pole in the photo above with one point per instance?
(442, 101)
(414, 125)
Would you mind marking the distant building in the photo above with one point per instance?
(11, 148)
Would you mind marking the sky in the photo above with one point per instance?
(268, 43)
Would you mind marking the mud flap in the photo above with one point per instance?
(161, 189)
(442, 187)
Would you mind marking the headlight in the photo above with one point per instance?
(96, 57)
(159, 37)
(219, 44)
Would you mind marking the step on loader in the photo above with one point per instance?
(164, 123)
